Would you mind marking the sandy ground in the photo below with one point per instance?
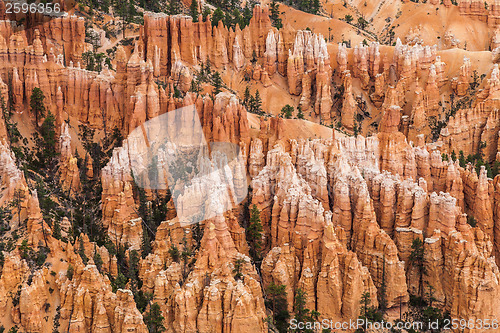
(295, 129)
(433, 22)
(333, 29)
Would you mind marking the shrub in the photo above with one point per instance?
(70, 272)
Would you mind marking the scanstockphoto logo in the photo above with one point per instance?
(205, 179)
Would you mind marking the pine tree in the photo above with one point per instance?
(300, 114)
(193, 10)
(287, 111)
(365, 301)
(154, 320)
(461, 159)
(257, 103)
(247, 15)
(299, 306)
(362, 23)
(81, 251)
(237, 269)
(25, 250)
(17, 202)
(12, 131)
(146, 243)
(254, 233)
(453, 156)
(46, 143)
(70, 271)
(368, 313)
(105, 6)
(495, 169)
(195, 86)
(430, 295)
(383, 290)
(143, 207)
(129, 12)
(121, 8)
(208, 68)
(174, 7)
(133, 270)
(237, 18)
(217, 16)
(97, 260)
(185, 256)
(56, 229)
(119, 282)
(416, 260)
(36, 104)
(316, 6)
(275, 15)
(276, 300)
(254, 57)
(205, 13)
(144, 212)
(246, 97)
(5, 218)
(228, 19)
(217, 82)
(174, 253)
(151, 5)
(251, 104)
(177, 92)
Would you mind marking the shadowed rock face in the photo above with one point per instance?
(341, 209)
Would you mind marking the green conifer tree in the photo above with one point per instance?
(146, 243)
(205, 13)
(287, 111)
(277, 302)
(275, 15)
(299, 306)
(254, 233)
(46, 143)
(174, 7)
(217, 16)
(257, 103)
(246, 97)
(193, 10)
(97, 260)
(254, 57)
(461, 159)
(247, 15)
(217, 82)
(17, 203)
(383, 290)
(36, 104)
(56, 229)
(81, 251)
(416, 260)
(154, 320)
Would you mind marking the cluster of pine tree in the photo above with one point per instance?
(253, 104)
(308, 6)
(476, 160)
(38, 161)
(130, 7)
(207, 75)
(274, 8)
(287, 112)
(231, 13)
